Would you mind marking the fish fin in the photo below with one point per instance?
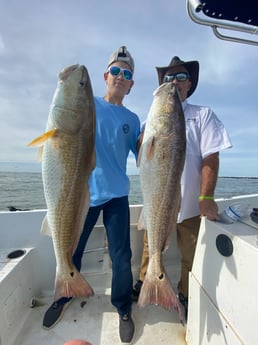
(83, 210)
(157, 290)
(40, 153)
(138, 146)
(150, 148)
(39, 141)
(141, 221)
(72, 285)
(171, 229)
(168, 241)
(172, 226)
(45, 228)
(138, 162)
(93, 161)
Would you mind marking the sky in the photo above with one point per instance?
(39, 38)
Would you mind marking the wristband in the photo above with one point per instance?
(206, 197)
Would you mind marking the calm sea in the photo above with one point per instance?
(21, 187)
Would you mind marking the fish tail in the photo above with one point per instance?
(159, 291)
(72, 285)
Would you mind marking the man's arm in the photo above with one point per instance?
(210, 168)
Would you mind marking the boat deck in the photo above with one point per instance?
(96, 321)
(218, 279)
(27, 293)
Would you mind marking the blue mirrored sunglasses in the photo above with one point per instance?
(181, 76)
(116, 70)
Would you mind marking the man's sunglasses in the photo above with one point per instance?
(181, 76)
(115, 71)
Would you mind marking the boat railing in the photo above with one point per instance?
(202, 12)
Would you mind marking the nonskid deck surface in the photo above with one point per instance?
(96, 321)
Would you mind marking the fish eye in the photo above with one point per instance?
(81, 84)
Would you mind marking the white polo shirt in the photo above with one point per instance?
(205, 134)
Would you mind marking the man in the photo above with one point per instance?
(117, 131)
(205, 137)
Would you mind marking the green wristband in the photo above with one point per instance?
(206, 197)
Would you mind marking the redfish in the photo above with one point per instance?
(161, 161)
(68, 157)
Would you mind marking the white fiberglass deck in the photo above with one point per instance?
(93, 319)
(96, 321)
(31, 281)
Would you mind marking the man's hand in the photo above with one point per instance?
(209, 208)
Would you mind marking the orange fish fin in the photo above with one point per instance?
(39, 141)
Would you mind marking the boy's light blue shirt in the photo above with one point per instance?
(117, 131)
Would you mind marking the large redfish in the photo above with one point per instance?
(161, 161)
(68, 157)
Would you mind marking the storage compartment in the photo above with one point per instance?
(207, 325)
(224, 285)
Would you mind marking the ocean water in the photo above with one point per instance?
(21, 187)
